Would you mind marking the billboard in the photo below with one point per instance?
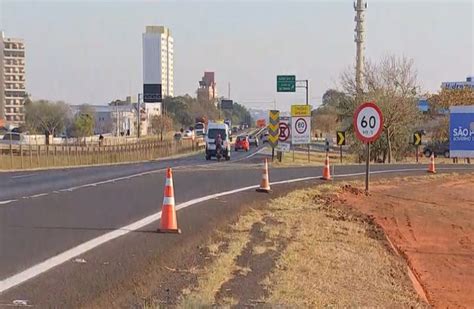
(152, 93)
(227, 104)
(461, 131)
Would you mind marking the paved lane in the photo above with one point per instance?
(35, 229)
(15, 185)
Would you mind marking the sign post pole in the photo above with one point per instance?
(340, 153)
(367, 169)
(417, 153)
(341, 140)
(368, 124)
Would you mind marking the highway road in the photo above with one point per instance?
(48, 218)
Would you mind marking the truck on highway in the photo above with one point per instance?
(199, 128)
(261, 123)
(213, 130)
(200, 125)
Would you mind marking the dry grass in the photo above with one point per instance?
(223, 267)
(300, 158)
(331, 257)
(54, 156)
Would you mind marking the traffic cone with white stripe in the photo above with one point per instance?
(265, 183)
(326, 169)
(168, 213)
(431, 167)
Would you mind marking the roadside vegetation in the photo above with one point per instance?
(55, 118)
(302, 251)
(392, 83)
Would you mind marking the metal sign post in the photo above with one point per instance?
(341, 140)
(368, 124)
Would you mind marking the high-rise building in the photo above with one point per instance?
(158, 79)
(207, 91)
(12, 80)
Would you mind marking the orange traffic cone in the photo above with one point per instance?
(264, 184)
(168, 213)
(431, 167)
(326, 170)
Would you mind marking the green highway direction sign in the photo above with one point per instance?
(286, 83)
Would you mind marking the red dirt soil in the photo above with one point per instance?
(431, 223)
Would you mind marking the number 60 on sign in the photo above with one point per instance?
(368, 122)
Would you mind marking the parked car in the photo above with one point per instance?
(242, 142)
(438, 148)
(188, 134)
(13, 138)
(253, 140)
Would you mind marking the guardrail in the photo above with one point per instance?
(45, 156)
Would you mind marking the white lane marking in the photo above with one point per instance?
(39, 195)
(7, 201)
(250, 155)
(22, 176)
(59, 259)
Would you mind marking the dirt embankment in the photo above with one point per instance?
(431, 223)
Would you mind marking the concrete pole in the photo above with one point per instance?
(359, 7)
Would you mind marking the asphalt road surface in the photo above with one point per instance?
(47, 218)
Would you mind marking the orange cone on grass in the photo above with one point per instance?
(431, 167)
(265, 183)
(326, 169)
(168, 222)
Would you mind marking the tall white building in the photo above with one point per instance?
(12, 80)
(158, 79)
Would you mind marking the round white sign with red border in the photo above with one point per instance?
(368, 122)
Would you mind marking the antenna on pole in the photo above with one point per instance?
(359, 38)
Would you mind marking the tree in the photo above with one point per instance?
(84, 121)
(392, 84)
(329, 116)
(161, 124)
(45, 117)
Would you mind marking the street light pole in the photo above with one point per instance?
(138, 115)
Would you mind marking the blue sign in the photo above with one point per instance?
(461, 131)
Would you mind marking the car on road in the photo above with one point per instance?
(188, 134)
(264, 138)
(253, 140)
(235, 129)
(242, 143)
(438, 148)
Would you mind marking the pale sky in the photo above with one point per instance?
(91, 52)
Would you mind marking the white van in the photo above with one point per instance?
(214, 129)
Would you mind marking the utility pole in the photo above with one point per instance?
(359, 7)
(228, 91)
(138, 115)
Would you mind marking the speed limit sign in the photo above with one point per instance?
(368, 122)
